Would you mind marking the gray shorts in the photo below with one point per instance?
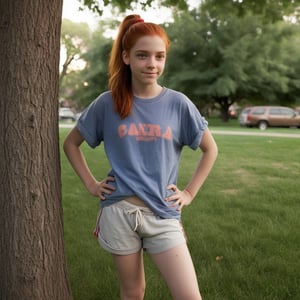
(124, 228)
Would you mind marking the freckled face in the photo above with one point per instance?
(146, 60)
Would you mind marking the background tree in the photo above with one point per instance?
(74, 38)
(226, 58)
(86, 84)
(98, 5)
(231, 51)
(271, 11)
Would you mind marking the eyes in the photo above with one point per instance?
(145, 55)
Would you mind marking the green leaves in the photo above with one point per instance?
(98, 6)
(227, 49)
(231, 57)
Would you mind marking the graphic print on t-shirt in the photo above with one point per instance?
(144, 132)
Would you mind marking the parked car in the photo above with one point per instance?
(269, 116)
(66, 113)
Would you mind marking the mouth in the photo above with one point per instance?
(150, 73)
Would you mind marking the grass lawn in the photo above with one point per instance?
(242, 228)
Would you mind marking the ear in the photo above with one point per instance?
(125, 57)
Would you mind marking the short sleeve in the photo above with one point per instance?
(90, 123)
(193, 125)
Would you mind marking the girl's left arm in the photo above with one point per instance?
(209, 150)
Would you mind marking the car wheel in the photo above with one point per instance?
(262, 125)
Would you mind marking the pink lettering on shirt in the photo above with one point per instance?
(144, 132)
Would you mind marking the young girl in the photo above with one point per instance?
(144, 127)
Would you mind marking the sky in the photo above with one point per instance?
(71, 11)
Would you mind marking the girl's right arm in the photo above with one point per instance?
(74, 154)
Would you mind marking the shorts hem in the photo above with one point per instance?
(115, 251)
(161, 250)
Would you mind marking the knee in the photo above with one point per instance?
(133, 293)
(186, 294)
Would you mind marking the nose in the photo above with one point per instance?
(151, 62)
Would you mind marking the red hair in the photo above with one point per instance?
(131, 29)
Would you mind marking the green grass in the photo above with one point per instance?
(243, 227)
(217, 121)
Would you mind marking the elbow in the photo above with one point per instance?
(209, 146)
(214, 151)
(66, 147)
(72, 141)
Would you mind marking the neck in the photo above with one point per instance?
(147, 91)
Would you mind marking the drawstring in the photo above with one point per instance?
(138, 217)
(97, 228)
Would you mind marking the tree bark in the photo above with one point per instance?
(32, 260)
(224, 103)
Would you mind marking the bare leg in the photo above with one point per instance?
(177, 268)
(130, 270)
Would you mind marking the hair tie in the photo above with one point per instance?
(139, 20)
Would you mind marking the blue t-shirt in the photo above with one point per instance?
(144, 148)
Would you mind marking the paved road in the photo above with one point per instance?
(70, 125)
(231, 132)
(262, 133)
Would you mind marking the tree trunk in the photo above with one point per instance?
(224, 106)
(32, 260)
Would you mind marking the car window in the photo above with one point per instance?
(275, 111)
(246, 111)
(258, 111)
(287, 112)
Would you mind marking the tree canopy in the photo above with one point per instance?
(222, 52)
(93, 79)
(74, 38)
(98, 6)
(228, 60)
(271, 10)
